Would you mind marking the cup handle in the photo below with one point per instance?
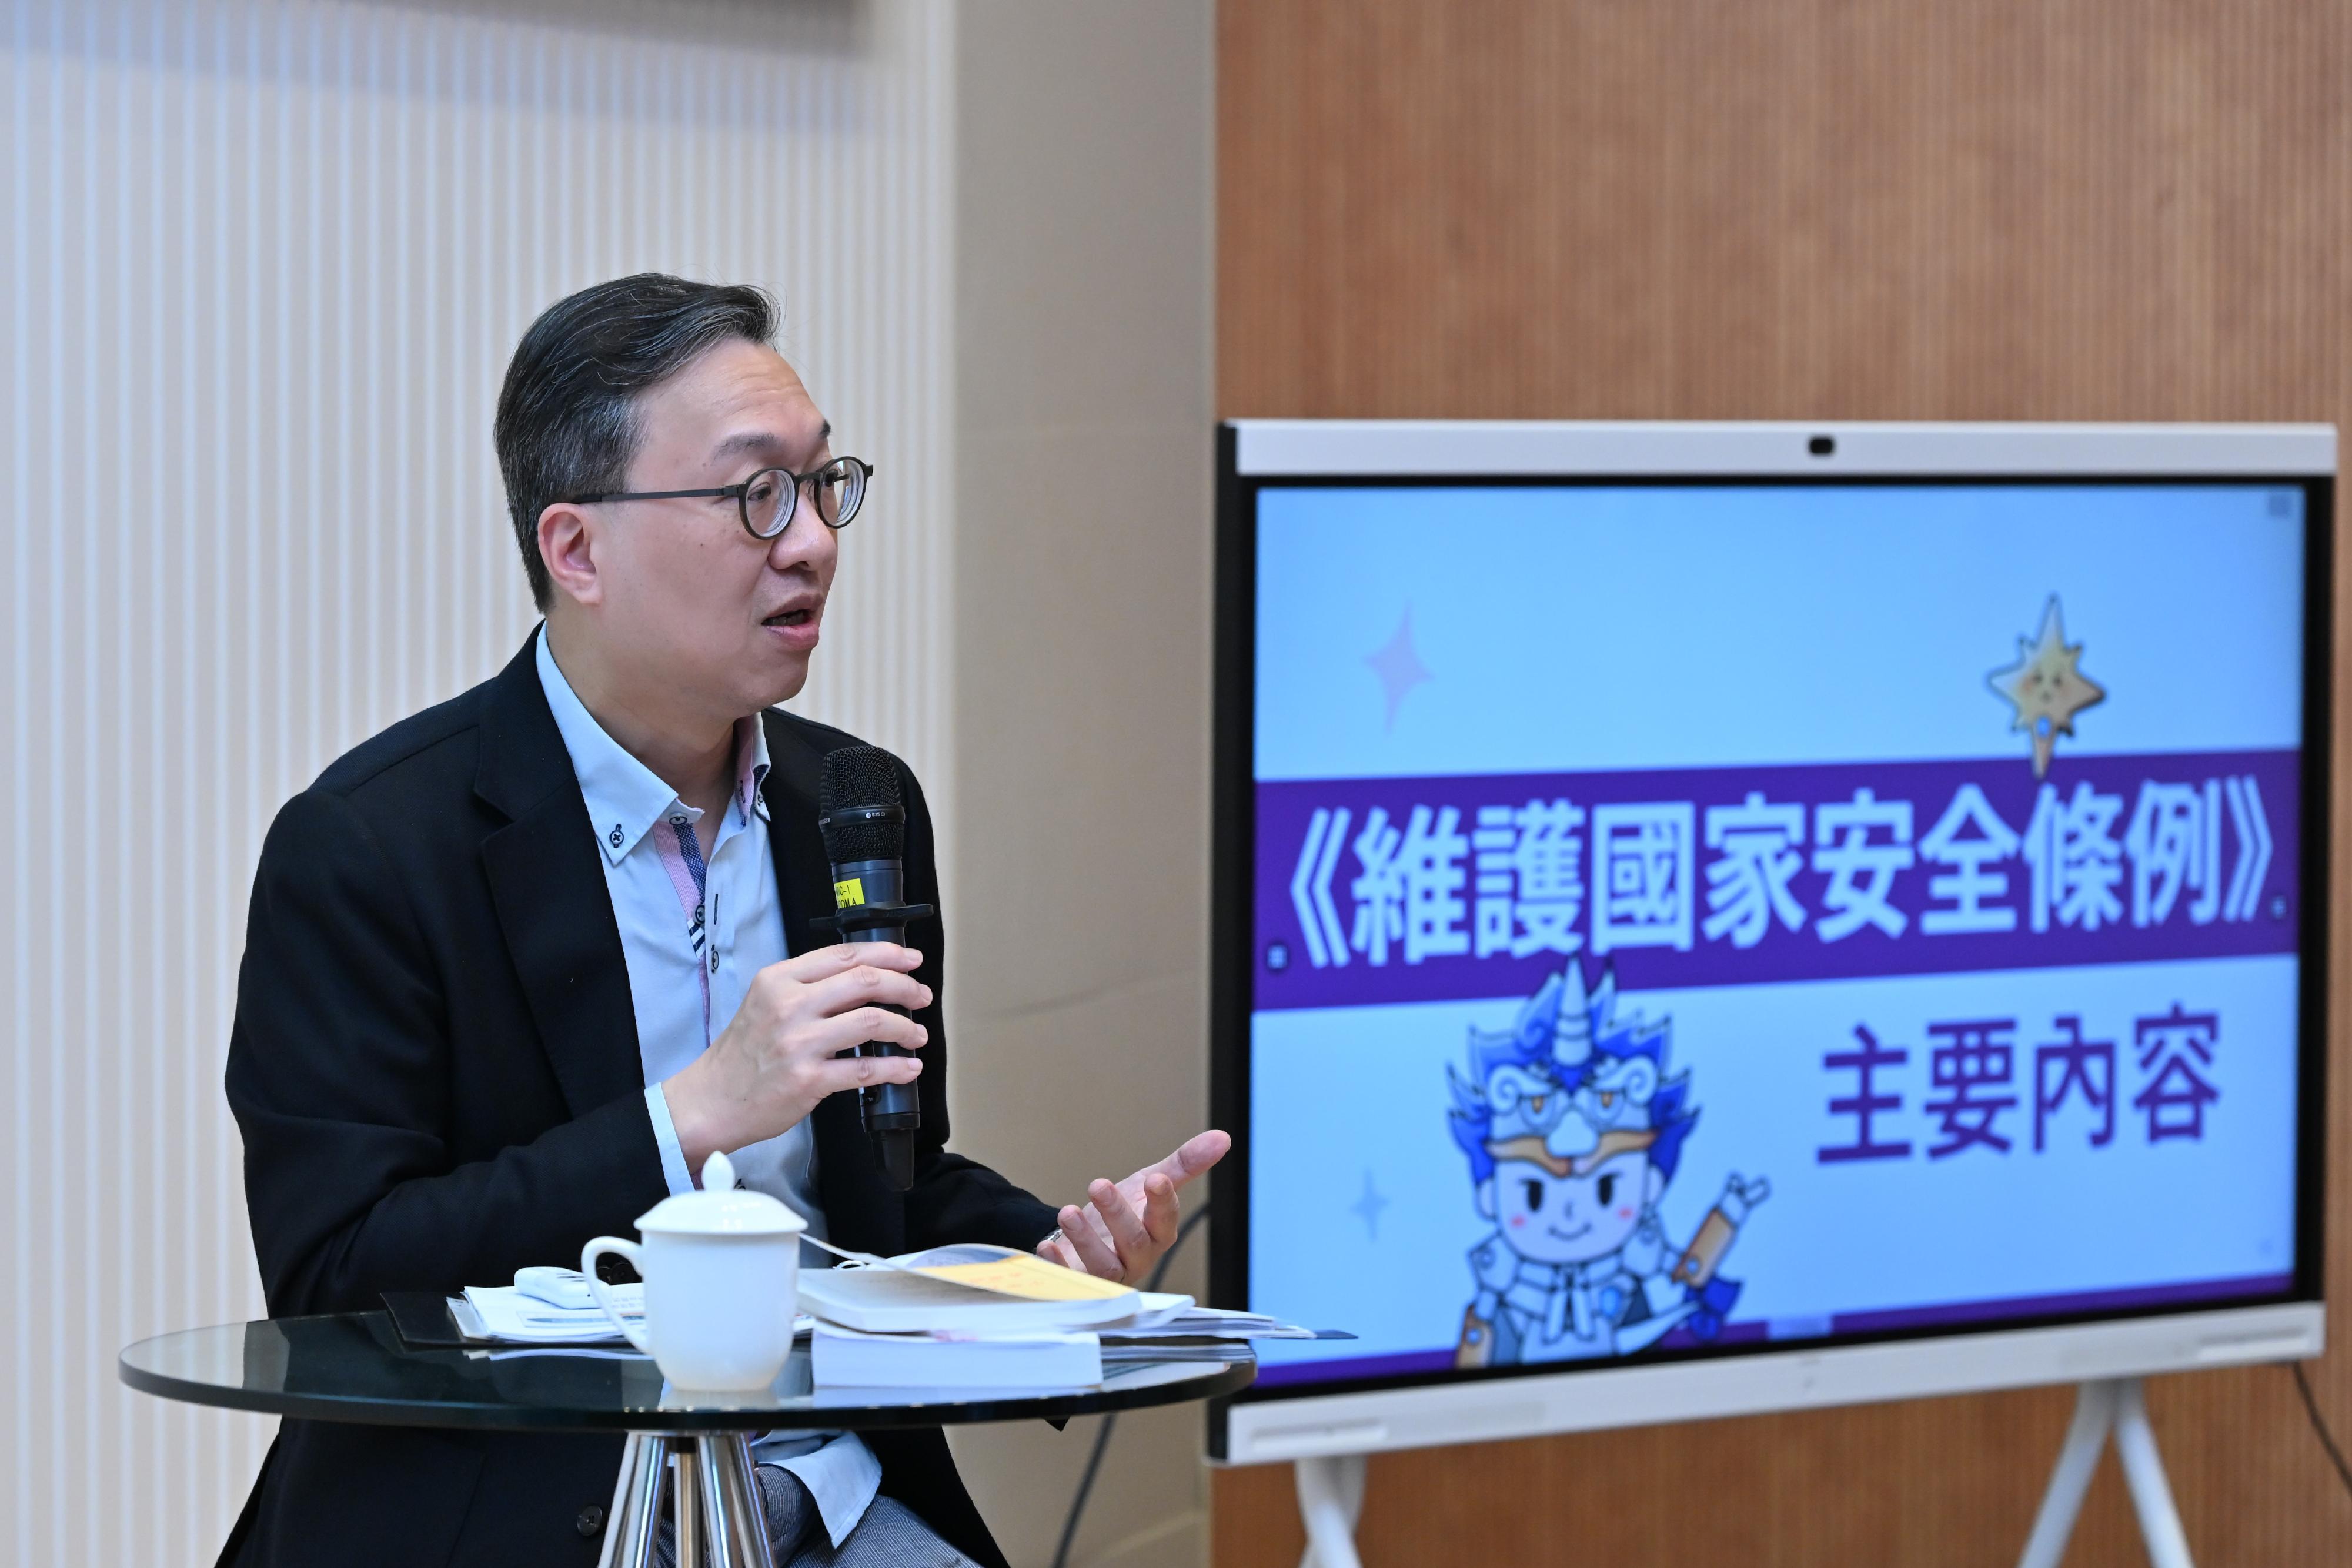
(634, 1333)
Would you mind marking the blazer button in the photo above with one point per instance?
(590, 1520)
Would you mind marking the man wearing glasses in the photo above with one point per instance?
(517, 965)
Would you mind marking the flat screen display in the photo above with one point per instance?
(1690, 917)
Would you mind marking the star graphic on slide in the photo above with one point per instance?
(2046, 687)
(1398, 665)
(1368, 1207)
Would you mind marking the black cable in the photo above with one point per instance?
(1102, 1435)
(1086, 1485)
(2326, 1438)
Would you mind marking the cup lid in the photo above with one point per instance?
(720, 1208)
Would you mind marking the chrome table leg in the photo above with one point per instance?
(617, 1514)
(723, 1519)
(637, 1508)
(727, 1456)
(716, 1516)
(686, 1507)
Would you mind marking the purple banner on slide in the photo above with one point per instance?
(2146, 1297)
(1395, 890)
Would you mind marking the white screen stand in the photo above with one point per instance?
(2114, 1405)
(1330, 1499)
(1331, 1488)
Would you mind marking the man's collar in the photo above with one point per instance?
(751, 768)
(624, 797)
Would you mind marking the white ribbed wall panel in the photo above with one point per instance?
(261, 267)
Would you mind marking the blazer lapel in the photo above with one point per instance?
(860, 1208)
(790, 791)
(548, 885)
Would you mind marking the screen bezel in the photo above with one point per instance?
(1742, 456)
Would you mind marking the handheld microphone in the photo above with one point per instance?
(864, 823)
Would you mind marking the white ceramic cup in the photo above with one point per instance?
(721, 1269)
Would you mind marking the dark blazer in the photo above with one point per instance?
(434, 1066)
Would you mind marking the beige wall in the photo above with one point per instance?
(261, 264)
(1081, 678)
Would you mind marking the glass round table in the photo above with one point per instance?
(355, 1366)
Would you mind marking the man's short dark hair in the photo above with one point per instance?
(567, 421)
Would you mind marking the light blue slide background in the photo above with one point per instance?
(1344, 1094)
(1568, 628)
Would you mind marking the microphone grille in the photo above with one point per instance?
(854, 777)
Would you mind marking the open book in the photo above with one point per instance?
(969, 1288)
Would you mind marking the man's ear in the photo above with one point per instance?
(567, 545)
(1486, 1197)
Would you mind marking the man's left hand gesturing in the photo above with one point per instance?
(1126, 1228)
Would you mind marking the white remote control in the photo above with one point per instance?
(556, 1287)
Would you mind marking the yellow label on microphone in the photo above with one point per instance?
(848, 895)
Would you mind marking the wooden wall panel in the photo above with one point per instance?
(2083, 209)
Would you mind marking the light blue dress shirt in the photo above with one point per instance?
(697, 922)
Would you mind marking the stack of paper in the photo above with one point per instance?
(504, 1316)
(1180, 1319)
(988, 1317)
(959, 1317)
(968, 1316)
(969, 1289)
(846, 1358)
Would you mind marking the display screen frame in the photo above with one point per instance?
(1747, 455)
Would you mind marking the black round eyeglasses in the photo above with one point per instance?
(769, 499)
